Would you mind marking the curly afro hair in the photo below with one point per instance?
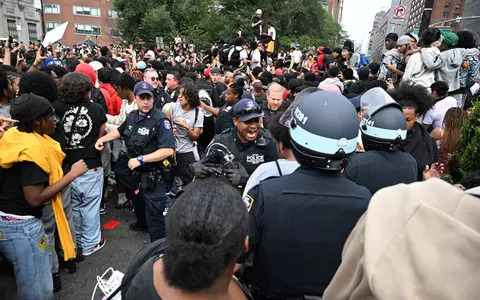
(105, 75)
(413, 95)
(74, 88)
(190, 91)
(40, 84)
(466, 39)
(123, 81)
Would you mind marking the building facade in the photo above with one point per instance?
(375, 27)
(20, 19)
(87, 19)
(472, 8)
(378, 44)
(442, 10)
(335, 9)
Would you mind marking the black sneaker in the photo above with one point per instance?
(57, 284)
(136, 227)
(103, 208)
(80, 256)
(70, 266)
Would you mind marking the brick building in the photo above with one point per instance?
(442, 10)
(335, 9)
(94, 19)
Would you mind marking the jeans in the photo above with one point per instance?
(86, 197)
(50, 225)
(182, 169)
(25, 245)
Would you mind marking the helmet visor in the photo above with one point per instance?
(287, 116)
(373, 100)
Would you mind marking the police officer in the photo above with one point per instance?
(149, 140)
(383, 129)
(299, 222)
(250, 144)
(160, 97)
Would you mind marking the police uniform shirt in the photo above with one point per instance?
(160, 98)
(251, 154)
(379, 169)
(299, 224)
(224, 119)
(154, 130)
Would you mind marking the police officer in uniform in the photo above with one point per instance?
(149, 139)
(250, 144)
(299, 222)
(384, 130)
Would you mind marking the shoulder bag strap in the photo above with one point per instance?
(278, 168)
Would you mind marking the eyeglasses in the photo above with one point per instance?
(250, 110)
(154, 78)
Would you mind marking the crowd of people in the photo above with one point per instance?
(244, 161)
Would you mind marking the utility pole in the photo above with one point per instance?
(426, 16)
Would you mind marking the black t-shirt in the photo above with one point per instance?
(256, 30)
(80, 144)
(224, 119)
(12, 181)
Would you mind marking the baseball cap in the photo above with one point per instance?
(392, 36)
(142, 88)
(141, 65)
(403, 40)
(207, 73)
(259, 12)
(150, 54)
(278, 72)
(215, 71)
(246, 109)
(320, 49)
(450, 38)
(96, 65)
(356, 102)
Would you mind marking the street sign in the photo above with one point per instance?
(37, 4)
(399, 12)
(443, 31)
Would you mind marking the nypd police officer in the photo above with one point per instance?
(384, 131)
(149, 140)
(300, 222)
(250, 144)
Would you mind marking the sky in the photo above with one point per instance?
(358, 17)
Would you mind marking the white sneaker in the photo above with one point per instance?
(96, 248)
(122, 199)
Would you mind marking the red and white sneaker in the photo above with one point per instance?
(96, 248)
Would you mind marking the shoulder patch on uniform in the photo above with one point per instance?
(248, 202)
(167, 124)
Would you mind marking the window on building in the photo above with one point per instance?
(86, 11)
(447, 5)
(52, 8)
(12, 28)
(445, 14)
(112, 14)
(32, 31)
(457, 7)
(87, 29)
(51, 25)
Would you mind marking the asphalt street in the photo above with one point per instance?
(121, 245)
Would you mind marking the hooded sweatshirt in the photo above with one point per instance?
(391, 57)
(417, 241)
(115, 103)
(416, 71)
(447, 64)
(334, 81)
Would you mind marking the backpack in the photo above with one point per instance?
(205, 97)
(364, 60)
(235, 58)
(223, 54)
(98, 96)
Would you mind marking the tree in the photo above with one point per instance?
(205, 21)
(469, 154)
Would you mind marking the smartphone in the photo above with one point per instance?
(10, 41)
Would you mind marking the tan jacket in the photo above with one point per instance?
(417, 241)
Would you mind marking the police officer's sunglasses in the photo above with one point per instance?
(250, 110)
(154, 78)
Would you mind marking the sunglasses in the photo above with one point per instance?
(250, 110)
(154, 78)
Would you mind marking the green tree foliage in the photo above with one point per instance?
(469, 155)
(203, 21)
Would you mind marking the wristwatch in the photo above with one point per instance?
(140, 160)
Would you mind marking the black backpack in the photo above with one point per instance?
(223, 54)
(235, 58)
(97, 97)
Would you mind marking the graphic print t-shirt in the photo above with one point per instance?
(80, 142)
